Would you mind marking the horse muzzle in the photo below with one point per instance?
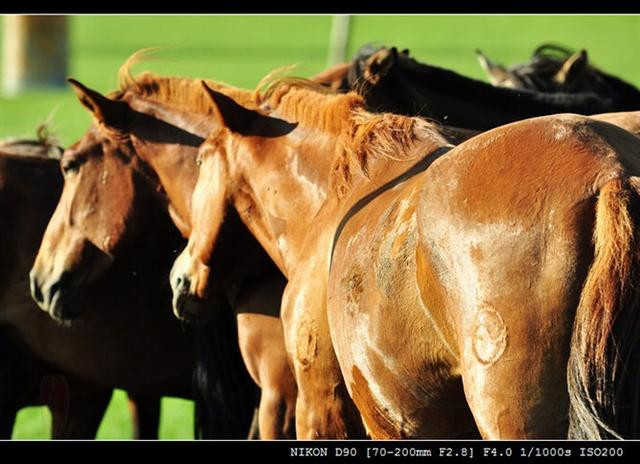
(181, 296)
(53, 296)
(187, 306)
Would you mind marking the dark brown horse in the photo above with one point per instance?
(393, 81)
(143, 144)
(73, 371)
(365, 74)
(554, 68)
(485, 287)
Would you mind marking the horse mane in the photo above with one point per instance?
(307, 102)
(44, 146)
(185, 92)
(361, 135)
(46, 136)
(553, 51)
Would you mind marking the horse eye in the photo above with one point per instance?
(69, 166)
(198, 160)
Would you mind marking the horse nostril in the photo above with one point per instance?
(36, 292)
(61, 284)
(182, 284)
(56, 287)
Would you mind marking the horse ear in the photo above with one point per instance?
(109, 112)
(243, 120)
(496, 73)
(379, 64)
(229, 113)
(572, 66)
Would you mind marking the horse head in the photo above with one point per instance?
(190, 277)
(94, 218)
(551, 69)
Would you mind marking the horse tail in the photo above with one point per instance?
(603, 375)
(225, 396)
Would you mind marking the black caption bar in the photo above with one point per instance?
(347, 451)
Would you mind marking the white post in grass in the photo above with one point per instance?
(35, 53)
(339, 39)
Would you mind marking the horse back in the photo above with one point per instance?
(628, 120)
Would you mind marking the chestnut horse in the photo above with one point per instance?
(72, 371)
(465, 292)
(289, 189)
(150, 130)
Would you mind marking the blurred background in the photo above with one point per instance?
(240, 50)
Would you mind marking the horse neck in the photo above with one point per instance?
(461, 101)
(36, 179)
(177, 173)
(279, 187)
(167, 140)
(335, 77)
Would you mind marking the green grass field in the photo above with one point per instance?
(240, 50)
(176, 420)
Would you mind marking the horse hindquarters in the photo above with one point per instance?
(388, 328)
(512, 296)
(510, 280)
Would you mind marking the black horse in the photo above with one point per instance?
(555, 68)
(393, 81)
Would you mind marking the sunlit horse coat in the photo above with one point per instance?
(469, 295)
